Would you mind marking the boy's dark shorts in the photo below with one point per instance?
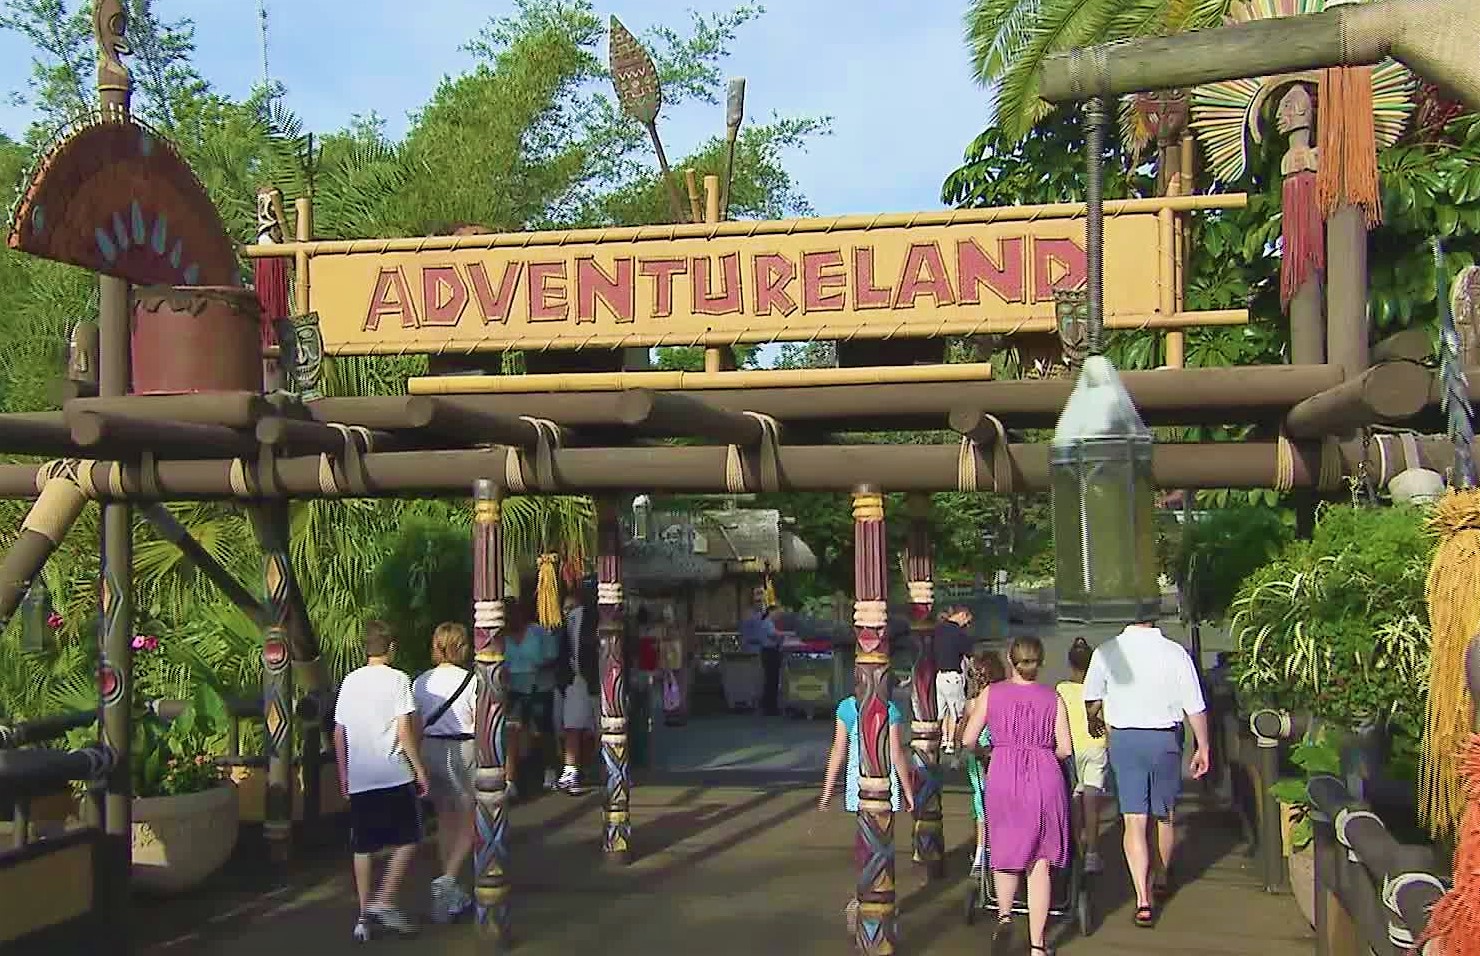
(384, 819)
(534, 710)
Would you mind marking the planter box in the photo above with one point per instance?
(180, 841)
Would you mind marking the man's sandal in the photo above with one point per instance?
(1145, 917)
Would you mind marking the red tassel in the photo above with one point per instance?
(1304, 241)
(1455, 919)
(270, 277)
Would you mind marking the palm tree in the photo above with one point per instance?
(1009, 40)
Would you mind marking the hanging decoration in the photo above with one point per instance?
(1302, 229)
(270, 275)
(1348, 174)
(547, 591)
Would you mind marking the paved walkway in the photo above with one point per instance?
(734, 866)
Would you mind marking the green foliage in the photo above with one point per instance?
(690, 358)
(424, 579)
(1222, 548)
(171, 758)
(1316, 756)
(1336, 626)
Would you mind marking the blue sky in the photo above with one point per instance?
(894, 76)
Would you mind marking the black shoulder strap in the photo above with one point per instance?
(447, 704)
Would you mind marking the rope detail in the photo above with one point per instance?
(488, 615)
(921, 592)
(768, 464)
(609, 593)
(513, 471)
(870, 614)
(236, 477)
(1284, 464)
(149, 476)
(1331, 466)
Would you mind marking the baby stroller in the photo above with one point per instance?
(1070, 897)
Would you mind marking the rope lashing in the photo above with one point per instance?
(514, 471)
(149, 476)
(870, 614)
(969, 461)
(1284, 463)
(1332, 469)
(609, 593)
(921, 592)
(1344, 818)
(768, 463)
(239, 479)
(1398, 932)
(547, 442)
(488, 615)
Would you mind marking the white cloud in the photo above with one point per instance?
(894, 77)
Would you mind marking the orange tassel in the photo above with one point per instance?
(1304, 253)
(1455, 919)
(1348, 142)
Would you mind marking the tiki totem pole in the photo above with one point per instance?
(115, 656)
(1303, 233)
(491, 849)
(616, 832)
(277, 679)
(925, 728)
(872, 686)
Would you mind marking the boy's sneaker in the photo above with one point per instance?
(393, 920)
(362, 930)
(1093, 863)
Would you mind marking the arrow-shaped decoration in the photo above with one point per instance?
(640, 95)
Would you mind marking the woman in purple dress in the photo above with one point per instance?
(1026, 795)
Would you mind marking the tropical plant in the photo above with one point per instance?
(1221, 548)
(1335, 626)
(1316, 756)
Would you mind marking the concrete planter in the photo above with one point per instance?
(179, 841)
(1303, 881)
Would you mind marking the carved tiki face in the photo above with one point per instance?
(1296, 110)
(269, 215)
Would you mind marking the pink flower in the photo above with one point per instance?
(144, 642)
(54, 620)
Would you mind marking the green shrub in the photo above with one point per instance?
(425, 578)
(1337, 626)
(1224, 547)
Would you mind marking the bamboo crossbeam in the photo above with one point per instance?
(323, 437)
(770, 227)
(35, 433)
(95, 429)
(43, 729)
(228, 409)
(170, 528)
(436, 418)
(1164, 397)
(704, 469)
(674, 415)
(694, 381)
(1390, 392)
(1434, 38)
(39, 770)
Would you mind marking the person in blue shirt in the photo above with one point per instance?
(758, 635)
(530, 653)
(846, 746)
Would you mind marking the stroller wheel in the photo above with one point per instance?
(972, 902)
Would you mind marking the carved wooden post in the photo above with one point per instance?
(1304, 257)
(491, 849)
(115, 657)
(616, 831)
(277, 679)
(872, 680)
(925, 728)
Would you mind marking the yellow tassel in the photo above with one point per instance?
(547, 591)
(770, 592)
(1453, 592)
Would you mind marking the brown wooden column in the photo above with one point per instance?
(1346, 290)
(616, 830)
(491, 816)
(277, 678)
(929, 834)
(878, 928)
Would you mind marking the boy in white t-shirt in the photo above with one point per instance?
(382, 776)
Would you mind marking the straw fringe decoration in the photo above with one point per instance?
(1455, 919)
(1453, 592)
(1303, 233)
(547, 591)
(1348, 173)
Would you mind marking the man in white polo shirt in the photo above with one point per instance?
(1143, 686)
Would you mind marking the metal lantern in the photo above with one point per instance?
(35, 609)
(1103, 504)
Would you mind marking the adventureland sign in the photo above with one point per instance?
(776, 281)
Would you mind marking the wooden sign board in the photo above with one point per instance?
(751, 282)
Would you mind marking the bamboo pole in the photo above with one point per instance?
(877, 930)
(227, 409)
(491, 882)
(697, 381)
(705, 469)
(925, 740)
(1434, 38)
(303, 232)
(696, 206)
(742, 227)
(56, 509)
(714, 356)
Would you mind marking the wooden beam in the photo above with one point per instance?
(94, 429)
(1205, 396)
(675, 415)
(229, 409)
(321, 437)
(170, 528)
(1434, 38)
(1390, 392)
(1410, 345)
(440, 420)
(36, 433)
(703, 469)
(977, 425)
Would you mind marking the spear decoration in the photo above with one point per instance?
(636, 81)
(1452, 370)
(734, 116)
